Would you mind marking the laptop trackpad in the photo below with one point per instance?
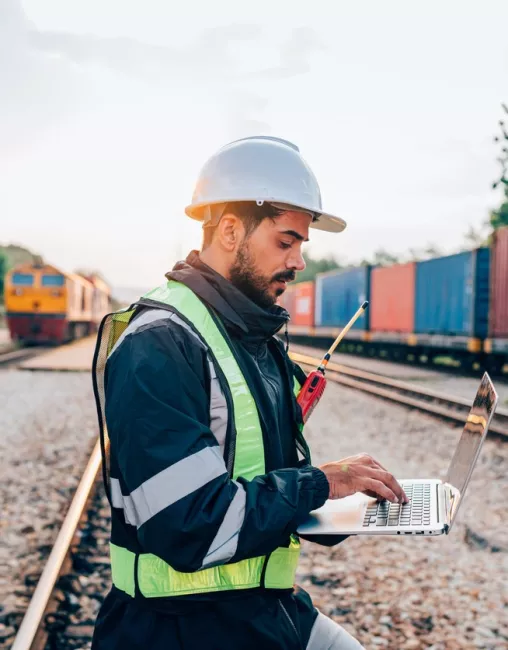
(337, 516)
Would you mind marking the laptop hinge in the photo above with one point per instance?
(451, 501)
(441, 503)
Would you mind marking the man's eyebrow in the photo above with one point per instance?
(293, 233)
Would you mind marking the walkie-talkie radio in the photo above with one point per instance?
(314, 386)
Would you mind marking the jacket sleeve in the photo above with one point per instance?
(173, 484)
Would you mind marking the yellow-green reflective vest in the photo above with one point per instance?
(155, 577)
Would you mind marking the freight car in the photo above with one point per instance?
(496, 346)
(46, 305)
(454, 306)
(299, 302)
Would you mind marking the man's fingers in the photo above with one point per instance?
(371, 494)
(390, 481)
(377, 464)
(380, 489)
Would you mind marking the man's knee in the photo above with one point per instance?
(328, 635)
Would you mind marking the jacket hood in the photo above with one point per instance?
(238, 312)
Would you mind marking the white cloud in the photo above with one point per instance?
(108, 110)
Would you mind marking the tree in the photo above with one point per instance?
(499, 217)
(384, 258)
(432, 250)
(4, 265)
(17, 254)
(315, 266)
(90, 273)
(474, 238)
(414, 254)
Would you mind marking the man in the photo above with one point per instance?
(208, 472)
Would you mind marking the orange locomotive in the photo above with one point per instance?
(45, 305)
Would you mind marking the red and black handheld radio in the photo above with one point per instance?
(314, 386)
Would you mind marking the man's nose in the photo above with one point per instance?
(296, 261)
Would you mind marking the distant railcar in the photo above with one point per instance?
(497, 343)
(452, 295)
(453, 306)
(46, 305)
(338, 296)
(392, 299)
(298, 300)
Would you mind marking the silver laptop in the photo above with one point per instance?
(433, 503)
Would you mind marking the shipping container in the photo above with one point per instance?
(392, 298)
(303, 307)
(499, 285)
(287, 299)
(338, 296)
(452, 294)
(298, 300)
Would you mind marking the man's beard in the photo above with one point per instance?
(244, 276)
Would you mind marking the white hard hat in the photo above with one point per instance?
(260, 168)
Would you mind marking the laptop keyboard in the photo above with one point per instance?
(416, 512)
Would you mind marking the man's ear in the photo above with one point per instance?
(230, 232)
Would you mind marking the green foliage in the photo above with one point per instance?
(502, 140)
(384, 258)
(17, 255)
(315, 266)
(3, 271)
(12, 255)
(476, 237)
(499, 217)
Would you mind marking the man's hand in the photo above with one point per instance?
(362, 474)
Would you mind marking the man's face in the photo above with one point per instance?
(269, 257)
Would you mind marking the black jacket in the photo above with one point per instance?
(158, 413)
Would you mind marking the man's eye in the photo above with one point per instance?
(284, 245)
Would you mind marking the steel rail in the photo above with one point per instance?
(16, 355)
(32, 620)
(449, 407)
(378, 385)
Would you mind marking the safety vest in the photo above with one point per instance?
(156, 578)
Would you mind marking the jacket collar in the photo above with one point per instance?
(236, 310)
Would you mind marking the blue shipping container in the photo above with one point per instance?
(452, 294)
(338, 296)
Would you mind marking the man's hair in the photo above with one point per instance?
(249, 212)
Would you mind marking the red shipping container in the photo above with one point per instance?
(303, 311)
(287, 300)
(392, 298)
(298, 299)
(499, 285)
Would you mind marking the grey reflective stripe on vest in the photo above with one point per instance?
(328, 635)
(165, 488)
(225, 543)
(145, 318)
(218, 409)
(168, 486)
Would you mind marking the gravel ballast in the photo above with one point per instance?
(47, 425)
(442, 593)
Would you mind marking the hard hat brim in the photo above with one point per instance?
(329, 223)
(326, 222)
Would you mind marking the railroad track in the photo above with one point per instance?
(33, 632)
(448, 407)
(16, 356)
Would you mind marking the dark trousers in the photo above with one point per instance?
(259, 620)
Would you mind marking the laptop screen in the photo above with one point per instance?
(474, 432)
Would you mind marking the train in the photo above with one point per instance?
(455, 306)
(45, 305)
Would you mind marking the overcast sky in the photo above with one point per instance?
(108, 109)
